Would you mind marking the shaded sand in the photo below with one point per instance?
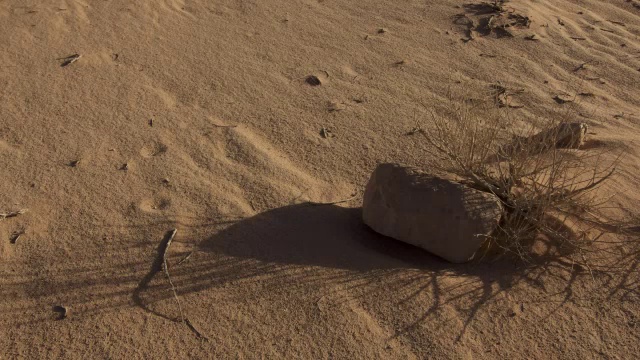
(156, 88)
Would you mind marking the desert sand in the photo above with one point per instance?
(199, 116)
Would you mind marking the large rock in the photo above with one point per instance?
(444, 217)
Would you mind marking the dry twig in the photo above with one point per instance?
(334, 202)
(11, 214)
(165, 268)
(184, 259)
(66, 61)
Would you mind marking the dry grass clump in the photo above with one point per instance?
(542, 173)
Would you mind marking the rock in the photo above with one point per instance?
(441, 216)
(63, 311)
(313, 80)
(562, 99)
(571, 135)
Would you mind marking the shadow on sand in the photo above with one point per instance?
(298, 247)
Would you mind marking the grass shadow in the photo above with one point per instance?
(305, 249)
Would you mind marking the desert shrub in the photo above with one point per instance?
(541, 171)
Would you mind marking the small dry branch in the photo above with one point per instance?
(11, 214)
(165, 269)
(224, 126)
(352, 197)
(66, 61)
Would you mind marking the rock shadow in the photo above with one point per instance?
(317, 235)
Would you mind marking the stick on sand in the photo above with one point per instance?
(11, 214)
(70, 59)
(169, 238)
(334, 202)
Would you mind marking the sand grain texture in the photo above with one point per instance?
(207, 104)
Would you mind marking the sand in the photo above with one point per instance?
(207, 104)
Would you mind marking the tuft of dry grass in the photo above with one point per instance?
(542, 173)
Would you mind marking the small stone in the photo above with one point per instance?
(15, 236)
(313, 80)
(326, 133)
(570, 135)
(562, 99)
(566, 135)
(382, 31)
(442, 216)
(62, 311)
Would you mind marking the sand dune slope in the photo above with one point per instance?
(198, 115)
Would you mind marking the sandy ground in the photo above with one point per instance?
(207, 104)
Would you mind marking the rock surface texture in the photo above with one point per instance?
(564, 136)
(444, 217)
